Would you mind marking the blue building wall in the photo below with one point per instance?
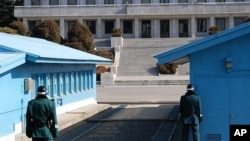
(224, 92)
(15, 98)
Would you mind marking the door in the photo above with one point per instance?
(240, 101)
(146, 29)
(214, 94)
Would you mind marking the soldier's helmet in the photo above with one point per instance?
(190, 87)
(41, 90)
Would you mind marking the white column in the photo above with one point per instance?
(137, 30)
(212, 21)
(193, 27)
(231, 21)
(118, 22)
(99, 28)
(174, 28)
(25, 22)
(62, 28)
(156, 28)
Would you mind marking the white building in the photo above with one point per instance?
(138, 18)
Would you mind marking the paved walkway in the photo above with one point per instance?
(119, 94)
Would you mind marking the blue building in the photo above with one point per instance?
(26, 63)
(220, 69)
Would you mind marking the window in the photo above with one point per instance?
(90, 2)
(80, 81)
(48, 84)
(54, 2)
(92, 26)
(164, 28)
(54, 84)
(219, 0)
(35, 2)
(239, 0)
(164, 1)
(66, 83)
(145, 1)
(238, 21)
(221, 23)
(60, 84)
(84, 80)
(33, 24)
(182, 1)
(76, 81)
(127, 26)
(108, 1)
(109, 26)
(72, 82)
(202, 1)
(127, 1)
(71, 24)
(201, 25)
(72, 2)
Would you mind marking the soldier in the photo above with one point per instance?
(41, 120)
(190, 114)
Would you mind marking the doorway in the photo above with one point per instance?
(146, 29)
(164, 31)
(183, 28)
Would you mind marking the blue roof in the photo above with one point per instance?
(10, 60)
(42, 51)
(181, 54)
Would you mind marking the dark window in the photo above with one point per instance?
(219, 0)
(182, 1)
(202, 1)
(54, 2)
(90, 2)
(164, 28)
(108, 1)
(238, 21)
(109, 26)
(201, 25)
(164, 1)
(127, 26)
(146, 29)
(32, 24)
(127, 2)
(239, 0)
(145, 1)
(183, 28)
(72, 2)
(70, 24)
(92, 26)
(221, 23)
(35, 2)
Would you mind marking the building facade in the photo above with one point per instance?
(27, 63)
(138, 18)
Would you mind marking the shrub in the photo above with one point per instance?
(19, 27)
(81, 35)
(116, 32)
(99, 71)
(213, 30)
(167, 68)
(48, 30)
(8, 30)
(105, 54)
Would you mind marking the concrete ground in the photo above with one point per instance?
(119, 94)
(140, 94)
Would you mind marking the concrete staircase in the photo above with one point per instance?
(138, 67)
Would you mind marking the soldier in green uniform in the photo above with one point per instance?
(190, 114)
(41, 120)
